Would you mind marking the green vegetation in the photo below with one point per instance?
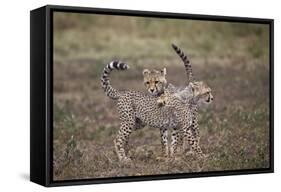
(231, 57)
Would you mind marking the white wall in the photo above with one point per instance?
(14, 97)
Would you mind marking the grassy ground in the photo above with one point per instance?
(232, 58)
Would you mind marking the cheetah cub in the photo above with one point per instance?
(184, 105)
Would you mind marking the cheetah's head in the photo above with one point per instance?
(155, 81)
(202, 92)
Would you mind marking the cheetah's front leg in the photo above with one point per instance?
(193, 138)
(191, 133)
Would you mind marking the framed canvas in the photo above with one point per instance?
(123, 95)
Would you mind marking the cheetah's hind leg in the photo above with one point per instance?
(164, 145)
(121, 141)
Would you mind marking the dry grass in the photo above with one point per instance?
(231, 58)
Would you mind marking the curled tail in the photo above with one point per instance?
(186, 62)
(108, 89)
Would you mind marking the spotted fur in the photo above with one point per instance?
(136, 110)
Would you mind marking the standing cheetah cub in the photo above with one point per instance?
(184, 105)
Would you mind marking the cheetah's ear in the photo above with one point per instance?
(145, 72)
(164, 71)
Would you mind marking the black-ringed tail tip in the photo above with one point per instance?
(174, 46)
(180, 53)
(178, 50)
(119, 65)
(105, 83)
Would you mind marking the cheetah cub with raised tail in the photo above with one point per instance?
(185, 104)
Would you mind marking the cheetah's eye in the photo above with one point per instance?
(147, 83)
(156, 82)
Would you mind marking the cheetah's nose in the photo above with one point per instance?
(152, 90)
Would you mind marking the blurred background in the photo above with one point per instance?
(233, 58)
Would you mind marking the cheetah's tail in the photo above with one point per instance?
(186, 62)
(105, 83)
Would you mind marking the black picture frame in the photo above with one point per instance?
(41, 93)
